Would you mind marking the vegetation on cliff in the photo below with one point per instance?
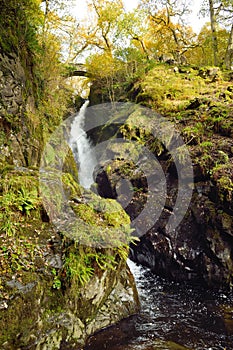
(43, 291)
(43, 281)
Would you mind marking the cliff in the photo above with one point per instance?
(184, 137)
(54, 291)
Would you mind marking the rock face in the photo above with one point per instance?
(200, 249)
(46, 319)
(12, 83)
(16, 100)
(39, 317)
(53, 291)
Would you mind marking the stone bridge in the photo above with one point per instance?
(77, 70)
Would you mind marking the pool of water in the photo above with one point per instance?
(172, 317)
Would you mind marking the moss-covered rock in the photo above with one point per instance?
(200, 248)
(46, 273)
(53, 289)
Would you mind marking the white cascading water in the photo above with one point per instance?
(82, 149)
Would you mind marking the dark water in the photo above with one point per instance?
(172, 317)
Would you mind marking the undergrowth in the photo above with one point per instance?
(24, 237)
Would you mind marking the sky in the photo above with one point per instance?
(195, 21)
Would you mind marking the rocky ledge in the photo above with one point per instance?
(200, 248)
(54, 289)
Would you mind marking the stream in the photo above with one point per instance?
(172, 316)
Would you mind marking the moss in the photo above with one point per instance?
(19, 194)
(227, 221)
(6, 168)
(21, 226)
(50, 155)
(225, 187)
(72, 188)
(114, 215)
(70, 166)
(87, 213)
(105, 212)
(20, 319)
(101, 222)
(168, 90)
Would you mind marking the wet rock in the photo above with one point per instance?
(200, 249)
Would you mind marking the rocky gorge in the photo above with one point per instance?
(200, 248)
(56, 291)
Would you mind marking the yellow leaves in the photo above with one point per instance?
(101, 29)
(165, 36)
(53, 19)
(107, 12)
(102, 65)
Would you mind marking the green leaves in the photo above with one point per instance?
(78, 267)
(56, 280)
(27, 201)
(18, 196)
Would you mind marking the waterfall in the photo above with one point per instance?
(82, 149)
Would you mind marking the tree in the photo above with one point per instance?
(99, 32)
(134, 62)
(221, 16)
(107, 72)
(229, 51)
(202, 54)
(19, 22)
(108, 13)
(227, 18)
(57, 20)
(213, 22)
(133, 29)
(167, 25)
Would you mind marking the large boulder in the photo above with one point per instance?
(54, 289)
(199, 249)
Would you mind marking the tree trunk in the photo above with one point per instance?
(229, 51)
(214, 31)
(136, 38)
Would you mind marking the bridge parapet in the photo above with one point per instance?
(76, 70)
